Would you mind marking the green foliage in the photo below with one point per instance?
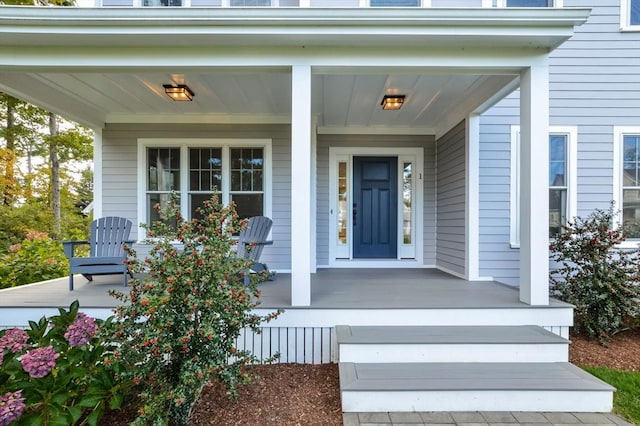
(77, 381)
(37, 258)
(26, 192)
(599, 279)
(179, 323)
(626, 400)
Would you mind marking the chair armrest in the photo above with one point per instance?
(257, 243)
(69, 246)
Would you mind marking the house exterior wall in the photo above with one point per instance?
(119, 147)
(374, 141)
(594, 85)
(450, 183)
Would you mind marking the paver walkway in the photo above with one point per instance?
(481, 418)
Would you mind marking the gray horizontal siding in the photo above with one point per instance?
(450, 180)
(594, 83)
(120, 172)
(375, 141)
(497, 259)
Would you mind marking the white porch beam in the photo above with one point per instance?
(301, 185)
(534, 185)
(314, 194)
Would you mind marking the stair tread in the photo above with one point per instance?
(559, 376)
(446, 335)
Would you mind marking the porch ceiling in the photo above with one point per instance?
(97, 66)
(345, 101)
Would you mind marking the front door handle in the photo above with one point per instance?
(355, 214)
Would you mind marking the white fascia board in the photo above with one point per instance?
(323, 26)
(340, 59)
(242, 17)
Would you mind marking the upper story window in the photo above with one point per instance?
(394, 3)
(630, 15)
(529, 3)
(562, 180)
(160, 3)
(626, 184)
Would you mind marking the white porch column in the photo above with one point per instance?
(97, 174)
(472, 198)
(301, 185)
(534, 185)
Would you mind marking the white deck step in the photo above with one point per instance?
(471, 387)
(388, 344)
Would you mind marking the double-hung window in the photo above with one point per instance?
(626, 187)
(630, 15)
(562, 180)
(558, 189)
(195, 169)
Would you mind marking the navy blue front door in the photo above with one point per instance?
(375, 207)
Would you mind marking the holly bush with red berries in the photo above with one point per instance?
(596, 275)
(179, 323)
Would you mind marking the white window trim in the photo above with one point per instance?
(572, 176)
(618, 134)
(625, 17)
(184, 144)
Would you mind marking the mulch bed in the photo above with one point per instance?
(621, 352)
(300, 394)
(285, 394)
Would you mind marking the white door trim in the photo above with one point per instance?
(346, 154)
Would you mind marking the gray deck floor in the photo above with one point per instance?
(330, 288)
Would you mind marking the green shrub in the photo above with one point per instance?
(58, 372)
(37, 258)
(178, 324)
(601, 280)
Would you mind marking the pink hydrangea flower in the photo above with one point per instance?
(39, 362)
(11, 407)
(81, 331)
(14, 340)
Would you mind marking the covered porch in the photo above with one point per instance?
(306, 101)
